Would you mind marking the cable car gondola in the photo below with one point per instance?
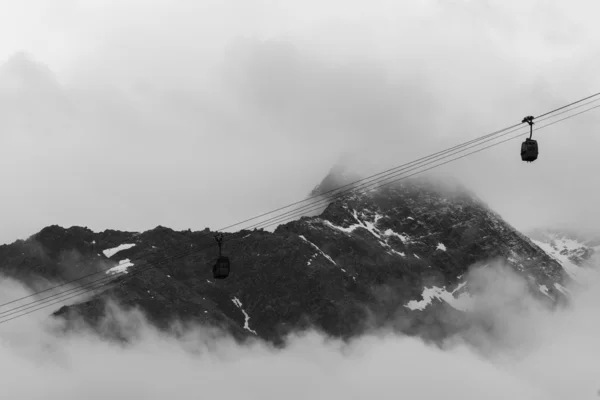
(222, 266)
(529, 148)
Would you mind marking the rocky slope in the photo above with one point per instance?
(367, 260)
(576, 251)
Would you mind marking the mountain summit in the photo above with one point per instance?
(396, 253)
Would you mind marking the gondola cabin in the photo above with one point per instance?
(529, 150)
(221, 268)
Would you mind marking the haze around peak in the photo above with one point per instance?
(187, 115)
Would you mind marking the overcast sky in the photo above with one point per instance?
(195, 113)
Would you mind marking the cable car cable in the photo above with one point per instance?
(422, 171)
(338, 188)
(187, 253)
(413, 174)
(435, 166)
(439, 152)
(568, 105)
(352, 189)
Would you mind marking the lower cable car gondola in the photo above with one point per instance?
(529, 148)
(222, 267)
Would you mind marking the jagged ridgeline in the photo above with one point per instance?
(368, 259)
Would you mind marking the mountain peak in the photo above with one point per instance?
(342, 173)
(417, 239)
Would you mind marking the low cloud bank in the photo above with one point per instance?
(526, 352)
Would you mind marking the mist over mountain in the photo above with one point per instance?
(415, 240)
(130, 132)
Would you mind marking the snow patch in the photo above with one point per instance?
(574, 271)
(121, 268)
(397, 252)
(370, 226)
(404, 238)
(462, 303)
(460, 286)
(350, 229)
(318, 249)
(561, 289)
(544, 289)
(111, 252)
(238, 304)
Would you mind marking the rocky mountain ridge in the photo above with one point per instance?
(396, 255)
(575, 251)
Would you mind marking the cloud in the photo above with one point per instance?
(528, 352)
(175, 109)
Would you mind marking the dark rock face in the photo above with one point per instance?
(355, 266)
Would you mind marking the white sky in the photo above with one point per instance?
(203, 113)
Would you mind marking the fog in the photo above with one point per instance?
(529, 353)
(190, 114)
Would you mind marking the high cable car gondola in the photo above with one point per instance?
(222, 266)
(529, 148)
